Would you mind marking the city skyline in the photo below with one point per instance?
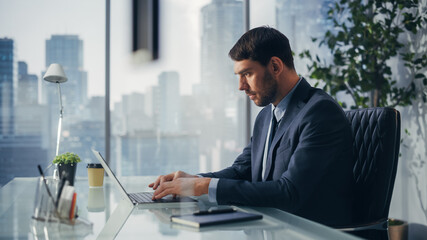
(156, 118)
(220, 134)
(90, 26)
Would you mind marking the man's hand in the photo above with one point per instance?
(170, 177)
(179, 183)
(191, 186)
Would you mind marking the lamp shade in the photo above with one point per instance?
(55, 73)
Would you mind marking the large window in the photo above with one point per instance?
(34, 34)
(184, 111)
(302, 20)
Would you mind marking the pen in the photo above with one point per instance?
(61, 187)
(214, 211)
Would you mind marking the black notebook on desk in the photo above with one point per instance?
(215, 218)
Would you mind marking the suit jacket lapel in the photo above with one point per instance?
(259, 144)
(296, 103)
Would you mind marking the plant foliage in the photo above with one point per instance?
(66, 158)
(366, 35)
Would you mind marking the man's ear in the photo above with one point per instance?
(276, 65)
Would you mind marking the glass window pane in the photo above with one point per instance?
(183, 111)
(299, 21)
(34, 34)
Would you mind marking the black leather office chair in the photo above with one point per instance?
(376, 133)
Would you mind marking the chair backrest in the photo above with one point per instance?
(376, 133)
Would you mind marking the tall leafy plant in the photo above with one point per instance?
(366, 35)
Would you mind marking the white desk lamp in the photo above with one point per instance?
(55, 74)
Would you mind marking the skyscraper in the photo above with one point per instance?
(169, 107)
(27, 90)
(300, 30)
(66, 50)
(222, 26)
(7, 79)
(133, 115)
(22, 121)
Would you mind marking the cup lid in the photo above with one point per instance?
(94, 165)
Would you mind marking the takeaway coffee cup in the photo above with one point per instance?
(95, 174)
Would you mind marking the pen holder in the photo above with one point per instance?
(44, 207)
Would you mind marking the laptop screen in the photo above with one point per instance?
(110, 173)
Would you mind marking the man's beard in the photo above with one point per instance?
(269, 93)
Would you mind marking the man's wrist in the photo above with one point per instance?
(202, 185)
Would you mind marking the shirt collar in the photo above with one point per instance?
(283, 104)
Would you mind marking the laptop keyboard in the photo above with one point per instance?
(146, 197)
(141, 197)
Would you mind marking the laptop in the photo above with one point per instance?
(140, 197)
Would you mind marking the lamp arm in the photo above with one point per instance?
(61, 108)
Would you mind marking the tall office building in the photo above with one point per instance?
(222, 26)
(66, 50)
(168, 106)
(30, 117)
(23, 122)
(7, 79)
(291, 21)
(133, 115)
(7, 75)
(27, 90)
(150, 141)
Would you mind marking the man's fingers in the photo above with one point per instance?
(156, 183)
(163, 194)
(160, 189)
(167, 178)
(163, 190)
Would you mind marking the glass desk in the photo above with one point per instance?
(113, 218)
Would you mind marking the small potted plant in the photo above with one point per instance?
(67, 166)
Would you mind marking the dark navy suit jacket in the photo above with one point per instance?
(309, 165)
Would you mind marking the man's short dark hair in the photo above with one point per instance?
(262, 43)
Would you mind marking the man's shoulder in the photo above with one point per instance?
(308, 94)
(320, 105)
(318, 97)
(318, 93)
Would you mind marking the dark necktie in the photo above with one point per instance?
(274, 124)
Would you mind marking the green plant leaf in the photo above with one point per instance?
(66, 158)
(362, 46)
(420, 75)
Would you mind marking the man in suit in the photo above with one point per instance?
(300, 160)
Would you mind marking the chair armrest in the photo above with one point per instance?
(381, 224)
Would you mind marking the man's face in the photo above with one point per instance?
(256, 81)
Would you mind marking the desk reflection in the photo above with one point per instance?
(121, 220)
(146, 220)
(96, 199)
